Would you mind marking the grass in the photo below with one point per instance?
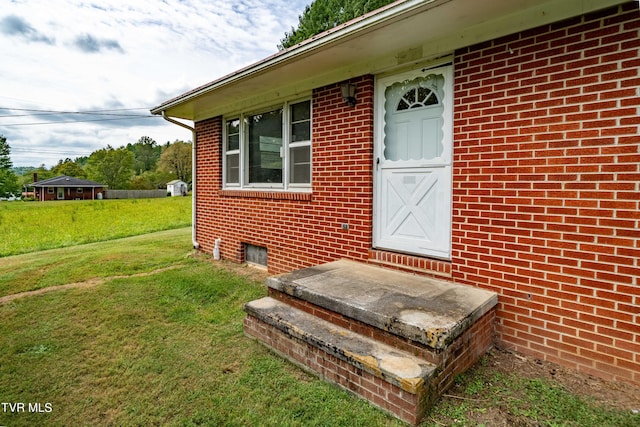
(483, 396)
(160, 349)
(35, 226)
(72, 264)
(160, 342)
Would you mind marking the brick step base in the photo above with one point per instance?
(391, 379)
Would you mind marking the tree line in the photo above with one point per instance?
(144, 165)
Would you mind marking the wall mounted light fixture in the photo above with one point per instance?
(348, 93)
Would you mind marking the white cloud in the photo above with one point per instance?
(90, 44)
(78, 56)
(12, 25)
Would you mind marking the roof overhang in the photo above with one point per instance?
(66, 181)
(402, 34)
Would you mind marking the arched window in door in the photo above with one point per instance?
(417, 97)
(413, 119)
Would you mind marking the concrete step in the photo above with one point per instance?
(425, 310)
(380, 360)
(393, 338)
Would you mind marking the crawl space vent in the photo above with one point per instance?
(256, 255)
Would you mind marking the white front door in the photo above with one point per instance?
(414, 128)
(60, 191)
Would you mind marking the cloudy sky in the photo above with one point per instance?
(113, 60)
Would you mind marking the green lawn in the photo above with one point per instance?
(158, 340)
(34, 226)
(54, 267)
(156, 349)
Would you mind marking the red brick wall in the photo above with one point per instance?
(297, 229)
(546, 188)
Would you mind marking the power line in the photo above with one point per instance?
(39, 151)
(67, 111)
(42, 112)
(79, 121)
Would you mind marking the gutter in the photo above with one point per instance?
(195, 243)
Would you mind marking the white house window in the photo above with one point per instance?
(265, 147)
(270, 149)
(300, 143)
(232, 150)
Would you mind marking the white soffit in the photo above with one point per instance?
(402, 34)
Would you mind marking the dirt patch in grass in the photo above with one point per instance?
(84, 284)
(601, 392)
(253, 273)
(497, 392)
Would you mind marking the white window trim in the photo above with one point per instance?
(226, 153)
(287, 145)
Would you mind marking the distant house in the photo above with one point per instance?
(67, 188)
(177, 188)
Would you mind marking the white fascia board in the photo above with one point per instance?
(372, 45)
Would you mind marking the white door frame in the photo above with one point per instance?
(443, 164)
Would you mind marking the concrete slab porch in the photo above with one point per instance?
(430, 311)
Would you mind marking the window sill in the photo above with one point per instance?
(262, 194)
